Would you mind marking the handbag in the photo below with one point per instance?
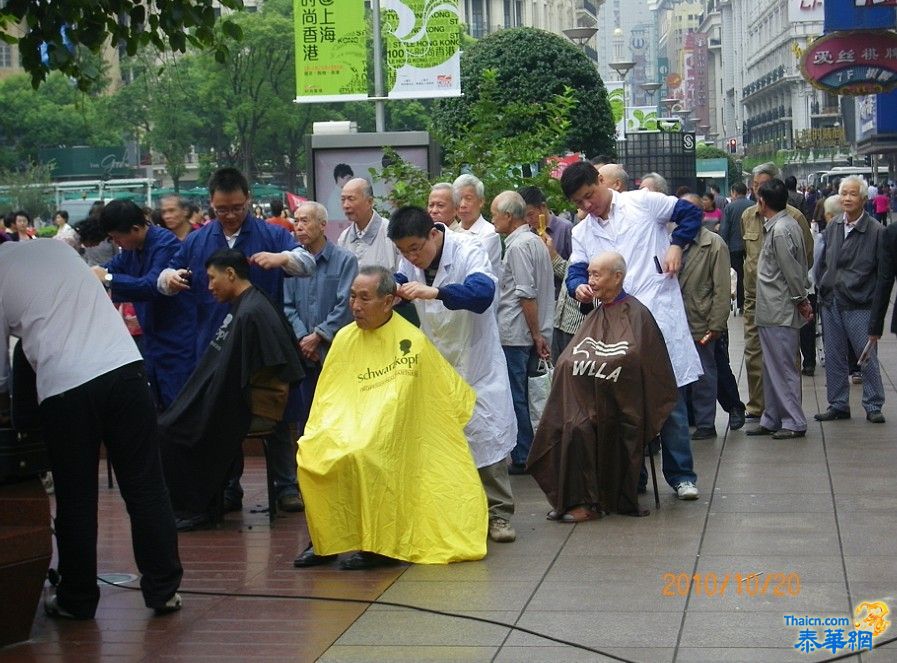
(539, 387)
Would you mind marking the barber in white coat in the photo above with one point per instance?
(634, 224)
(448, 277)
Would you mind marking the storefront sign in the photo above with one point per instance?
(853, 62)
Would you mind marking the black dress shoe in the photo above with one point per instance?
(366, 560)
(189, 522)
(832, 414)
(875, 417)
(788, 434)
(229, 505)
(704, 434)
(736, 418)
(308, 558)
(759, 430)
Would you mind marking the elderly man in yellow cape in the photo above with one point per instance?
(613, 388)
(384, 466)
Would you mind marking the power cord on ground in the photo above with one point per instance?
(392, 604)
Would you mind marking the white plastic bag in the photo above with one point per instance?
(539, 387)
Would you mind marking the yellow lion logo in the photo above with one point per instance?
(874, 619)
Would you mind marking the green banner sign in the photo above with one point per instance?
(331, 50)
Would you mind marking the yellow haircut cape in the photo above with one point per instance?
(384, 465)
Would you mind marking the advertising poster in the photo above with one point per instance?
(641, 118)
(331, 50)
(423, 48)
(615, 96)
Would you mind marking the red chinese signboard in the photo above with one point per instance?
(855, 63)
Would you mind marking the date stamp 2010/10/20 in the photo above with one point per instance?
(747, 584)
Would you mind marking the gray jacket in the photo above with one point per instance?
(781, 273)
(849, 268)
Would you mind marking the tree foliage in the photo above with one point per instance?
(27, 189)
(488, 147)
(532, 66)
(56, 27)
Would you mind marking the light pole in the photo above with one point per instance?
(580, 36)
(651, 89)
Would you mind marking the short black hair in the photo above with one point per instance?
(120, 216)
(682, 190)
(576, 176)
(532, 195)
(22, 212)
(774, 194)
(791, 183)
(228, 180)
(409, 221)
(601, 159)
(91, 231)
(9, 219)
(62, 213)
(341, 170)
(739, 188)
(230, 258)
(276, 207)
(713, 186)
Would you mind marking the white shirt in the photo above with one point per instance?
(637, 230)
(71, 333)
(371, 246)
(489, 240)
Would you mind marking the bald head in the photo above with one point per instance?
(614, 176)
(607, 272)
(508, 212)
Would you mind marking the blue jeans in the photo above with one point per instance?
(675, 447)
(518, 359)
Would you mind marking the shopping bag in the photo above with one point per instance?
(539, 387)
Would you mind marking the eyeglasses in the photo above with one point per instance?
(233, 210)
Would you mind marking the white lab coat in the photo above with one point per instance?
(637, 230)
(469, 341)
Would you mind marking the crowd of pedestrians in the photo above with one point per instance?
(249, 326)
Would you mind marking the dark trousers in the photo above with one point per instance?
(726, 385)
(808, 338)
(115, 408)
(737, 259)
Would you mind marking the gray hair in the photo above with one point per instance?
(767, 168)
(616, 172)
(832, 205)
(659, 182)
(466, 180)
(318, 210)
(512, 203)
(182, 202)
(859, 181)
(386, 282)
(614, 261)
(442, 186)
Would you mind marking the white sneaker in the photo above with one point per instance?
(171, 605)
(500, 530)
(687, 491)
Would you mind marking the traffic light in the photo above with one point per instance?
(733, 145)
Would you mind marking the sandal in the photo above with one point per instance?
(580, 514)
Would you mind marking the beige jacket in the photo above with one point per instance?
(706, 284)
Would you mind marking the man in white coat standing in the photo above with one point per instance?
(470, 195)
(450, 280)
(634, 224)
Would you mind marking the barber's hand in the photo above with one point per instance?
(179, 280)
(672, 263)
(267, 260)
(100, 273)
(805, 308)
(542, 349)
(414, 290)
(309, 345)
(584, 293)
